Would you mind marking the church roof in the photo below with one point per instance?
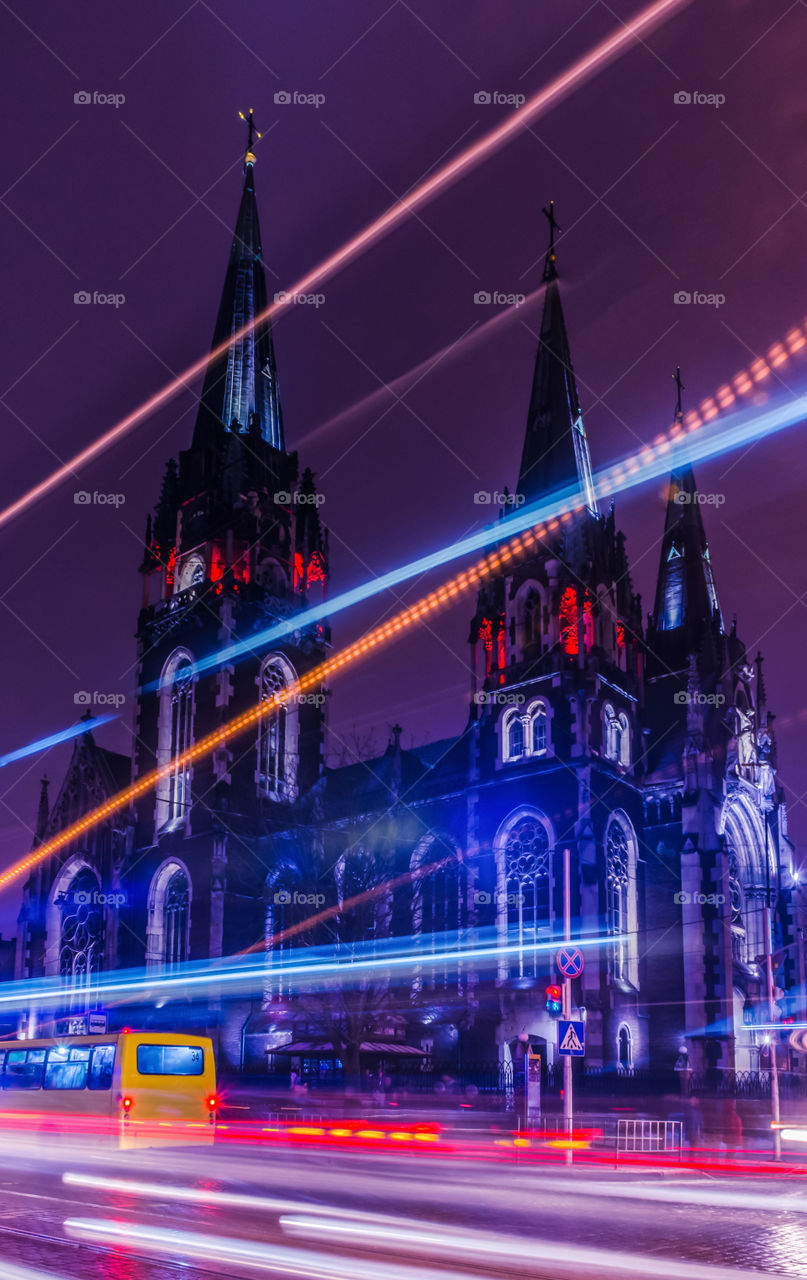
(375, 782)
(240, 386)
(93, 775)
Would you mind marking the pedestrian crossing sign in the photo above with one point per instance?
(571, 1038)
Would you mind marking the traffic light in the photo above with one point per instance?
(554, 1005)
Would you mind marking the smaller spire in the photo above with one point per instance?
(551, 263)
(43, 812)
(679, 386)
(252, 134)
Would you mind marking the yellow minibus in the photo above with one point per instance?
(137, 1088)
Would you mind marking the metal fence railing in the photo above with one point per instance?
(651, 1136)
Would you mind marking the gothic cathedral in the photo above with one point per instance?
(642, 746)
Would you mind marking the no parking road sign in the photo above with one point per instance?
(572, 1038)
(570, 961)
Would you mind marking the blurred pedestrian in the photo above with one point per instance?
(693, 1122)
(733, 1131)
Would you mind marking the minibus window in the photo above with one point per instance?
(103, 1060)
(170, 1060)
(24, 1069)
(66, 1068)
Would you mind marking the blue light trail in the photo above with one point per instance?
(53, 740)
(318, 965)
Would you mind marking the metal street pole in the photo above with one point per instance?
(567, 1004)
(777, 1133)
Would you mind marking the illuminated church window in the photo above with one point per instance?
(624, 1048)
(439, 910)
(168, 929)
(524, 893)
(515, 738)
(277, 733)
(620, 895)
(175, 737)
(525, 732)
(537, 729)
(191, 573)
(177, 901)
(82, 932)
(616, 735)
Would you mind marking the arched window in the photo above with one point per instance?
(537, 729)
(623, 748)
(439, 909)
(609, 731)
(616, 735)
(739, 947)
(523, 897)
(277, 733)
(81, 937)
(624, 1048)
(515, 738)
(192, 572)
(176, 911)
(169, 906)
(175, 736)
(525, 733)
(744, 837)
(272, 577)
(620, 892)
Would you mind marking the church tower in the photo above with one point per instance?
(567, 616)
(715, 813)
(556, 647)
(236, 543)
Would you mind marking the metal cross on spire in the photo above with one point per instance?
(679, 386)
(549, 266)
(252, 132)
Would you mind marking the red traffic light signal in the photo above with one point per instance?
(553, 1000)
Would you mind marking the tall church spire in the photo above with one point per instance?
(686, 595)
(555, 452)
(240, 388)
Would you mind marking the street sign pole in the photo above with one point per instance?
(567, 1004)
(777, 1133)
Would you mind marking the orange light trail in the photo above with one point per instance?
(537, 105)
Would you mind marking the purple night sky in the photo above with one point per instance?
(140, 200)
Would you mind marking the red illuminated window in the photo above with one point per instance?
(299, 575)
(216, 565)
(486, 636)
(316, 570)
(568, 622)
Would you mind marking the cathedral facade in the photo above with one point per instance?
(642, 746)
